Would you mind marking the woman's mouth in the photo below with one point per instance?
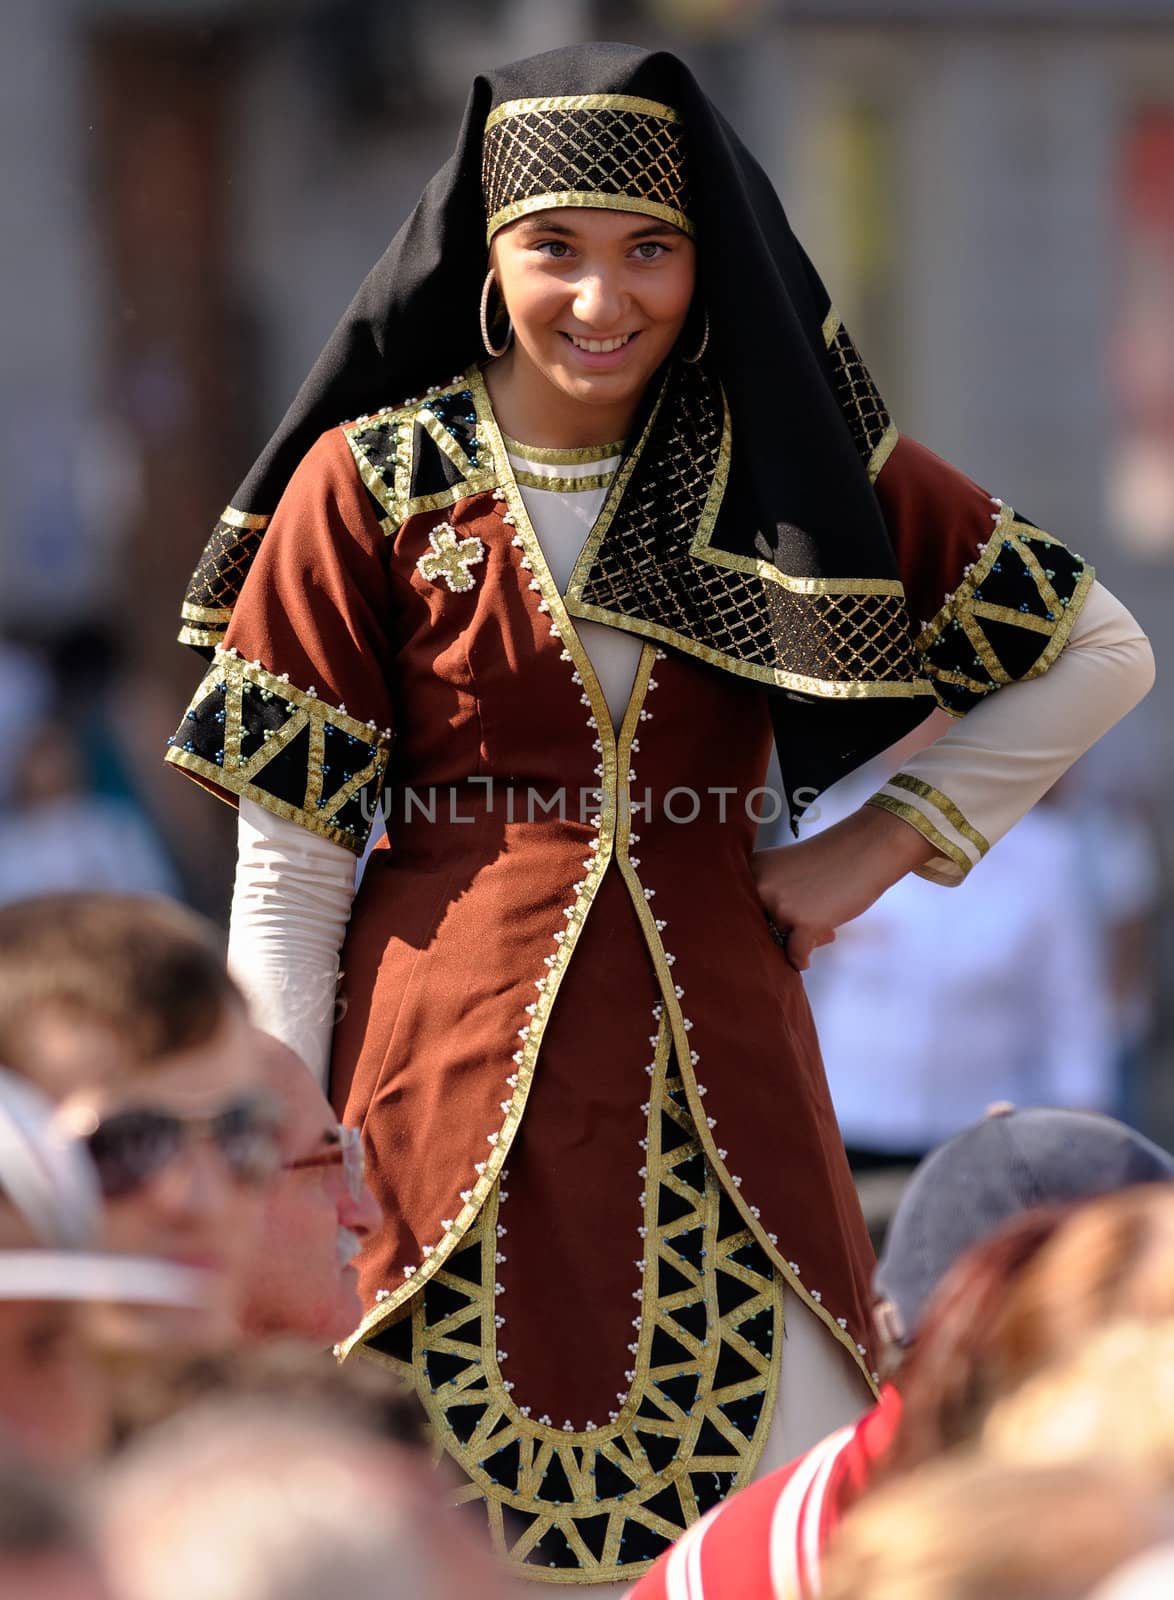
(600, 355)
(600, 347)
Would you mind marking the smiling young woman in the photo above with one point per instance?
(554, 609)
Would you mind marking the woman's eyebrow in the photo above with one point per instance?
(652, 229)
(538, 224)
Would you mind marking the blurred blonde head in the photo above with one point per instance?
(1111, 1260)
(1110, 1401)
(974, 1529)
(1024, 1299)
(278, 1501)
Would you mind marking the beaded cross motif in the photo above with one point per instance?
(450, 558)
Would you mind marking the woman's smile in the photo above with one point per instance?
(599, 346)
(601, 355)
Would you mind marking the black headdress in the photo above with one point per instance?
(744, 527)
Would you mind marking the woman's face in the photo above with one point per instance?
(597, 298)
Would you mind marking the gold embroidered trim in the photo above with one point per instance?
(883, 451)
(835, 600)
(680, 1421)
(476, 483)
(188, 762)
(219, 576)
(952, 813)
(560, 614)
(823, 687)
(918, 819)
(575, 915)
(203, 638)
(596, 200)
(193, 613)
(675, 1017)
(833, 606)
(245, 519)
(534, 480)
(392, 496)
(872, 428)
(549, 456)
(603, 522)
(440, 435)
(612, 151)
(390, 480)
(580, 102)
(703, 550)
(888, 440)
(959, 607)
(241, 775)
(962, 607)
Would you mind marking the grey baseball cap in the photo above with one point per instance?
(1006, 1164)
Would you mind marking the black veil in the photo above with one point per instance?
(804, 419)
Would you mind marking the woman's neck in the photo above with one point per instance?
(531, 408)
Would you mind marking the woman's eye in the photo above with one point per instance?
(557, 248)
(649, 250)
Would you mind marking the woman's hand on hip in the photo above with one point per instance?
(809, 889)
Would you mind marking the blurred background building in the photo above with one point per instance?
(194, 188)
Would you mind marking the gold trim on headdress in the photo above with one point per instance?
(580, 102)
(612, 152)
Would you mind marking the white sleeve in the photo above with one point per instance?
(965, 791)
(290, 905)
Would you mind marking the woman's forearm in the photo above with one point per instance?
(290, 905)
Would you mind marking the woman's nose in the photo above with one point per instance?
(597, 299)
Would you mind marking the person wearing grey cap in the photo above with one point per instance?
(1010, 1162)
(768, 1541)
(54, 1399)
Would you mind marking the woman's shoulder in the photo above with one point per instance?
(446, 402)
(425, 452)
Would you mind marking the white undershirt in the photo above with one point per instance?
(562, 519)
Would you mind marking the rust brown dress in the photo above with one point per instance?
(602, 1136)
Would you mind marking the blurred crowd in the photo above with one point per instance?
(179, 1215)
(73, 814)
(1033, 981)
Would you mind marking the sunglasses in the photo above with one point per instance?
(131, 1148)
(348, 1153)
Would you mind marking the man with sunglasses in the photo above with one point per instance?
(317, 1210)
(119, 1008)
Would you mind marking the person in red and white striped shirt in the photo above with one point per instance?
(768, 1542)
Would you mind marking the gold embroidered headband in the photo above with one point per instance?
(613, 151)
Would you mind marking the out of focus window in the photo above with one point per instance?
(1141, 467)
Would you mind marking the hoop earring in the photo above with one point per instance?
(704, 343)
(485, 339)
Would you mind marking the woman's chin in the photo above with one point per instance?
(598, 388)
